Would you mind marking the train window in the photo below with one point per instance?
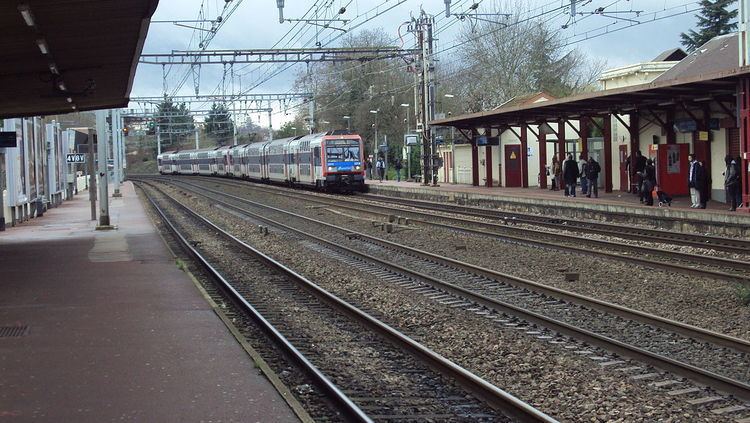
(316, 156)
(291, 158)
(342, 151)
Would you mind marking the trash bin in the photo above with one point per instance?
(39, 207)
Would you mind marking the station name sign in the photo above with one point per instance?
(75, 158)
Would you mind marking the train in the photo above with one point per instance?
(327, 161)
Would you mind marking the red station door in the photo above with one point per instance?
(513, 165)
(623, 170)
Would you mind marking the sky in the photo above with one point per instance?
(612, 37)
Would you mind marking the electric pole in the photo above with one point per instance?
(426, 110)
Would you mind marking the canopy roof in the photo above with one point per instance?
(90, 46)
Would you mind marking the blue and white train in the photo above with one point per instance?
(331, 161)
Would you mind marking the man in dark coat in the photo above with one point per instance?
(570, 176)
(649, 182)
(592, 175)
(731, 181)
(701, 184)
(640, 166)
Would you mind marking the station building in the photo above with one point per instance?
(666, 108)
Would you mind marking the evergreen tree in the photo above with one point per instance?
(174, 120)
(219, 123)
(714, 20)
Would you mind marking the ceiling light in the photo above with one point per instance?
(61, 86)
(404, 105)
(26, 14)
(42, 45)
(73, 107)
(53, 69)
(449, 95)
(70, 100)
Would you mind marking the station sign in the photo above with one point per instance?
(411, 139)
(75, 158)
(8, 139)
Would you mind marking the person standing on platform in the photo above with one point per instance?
(640, 166)
(592, 174)
(702, 184)
(398, 166)
(368, 167)
(731, 181)
(693, 181)
(649, 182)
(556, 172)
(570, 176)
(582, 170)
(380, 166)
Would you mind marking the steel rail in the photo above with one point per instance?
(716, 381)
(491, 394)
(604, 247)
(346, 405)
(733, 245)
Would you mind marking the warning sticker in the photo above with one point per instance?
(512, 155)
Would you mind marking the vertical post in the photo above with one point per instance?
(671, 135)
(197, 140)
(488, 165)
(524, 155)
(543, 159)
(634, 144)
(101, 152)
(158, 140)
(744, 118)
(91, 169)
(744, 23)
(584, 129)
(2, 187)
(474, 159)
(561, 141)
(116, 161)
(270, 126)
(607, 135)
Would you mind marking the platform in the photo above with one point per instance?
(114, 330)
(616, 206)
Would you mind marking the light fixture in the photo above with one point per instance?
(42, 45)
(449, 95)
(61, 86)
(53, 69)
(374, 111)
(70, 100)
(26, 14)
(73, 107)
(347, 117)
(404, 105)
(280, 5)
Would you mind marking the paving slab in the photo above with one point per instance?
(115, 330)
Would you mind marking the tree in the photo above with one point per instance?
(290, 129)
(516, 57)
(174, 120)
(219, 124)
(714, 20)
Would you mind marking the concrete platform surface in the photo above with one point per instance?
(115, 331)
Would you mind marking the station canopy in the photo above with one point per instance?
(61, 54)
(689, 92)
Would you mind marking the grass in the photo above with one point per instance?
(180, 264)
(743, 292)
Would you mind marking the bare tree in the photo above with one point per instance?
(515, 57)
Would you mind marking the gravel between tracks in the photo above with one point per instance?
(568, 387)
(703, 302)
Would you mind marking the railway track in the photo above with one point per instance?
(494, 292)
(687, 263)
(414, 390)
(732, 245)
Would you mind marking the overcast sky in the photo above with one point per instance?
(255, 24)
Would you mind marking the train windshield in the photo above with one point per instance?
(342, 151)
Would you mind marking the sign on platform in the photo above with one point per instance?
(75, 158)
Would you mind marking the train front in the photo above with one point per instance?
(343, 165)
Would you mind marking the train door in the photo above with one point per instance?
(291, 163)
(317, 163)
(513, 165)
(623, 168)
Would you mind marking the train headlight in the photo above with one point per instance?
(357, 167)
(331, 168)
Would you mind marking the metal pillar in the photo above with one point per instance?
(91, 169)
(116, 158)
(488, 166)
(524, 156)
(543, 159)
(474, 161)
(197, 139)
(634, 129)
(583, 125)
(702, 148)
(744, 118)
(101, 152)
(158, 140)
(270, 126)
(607, 135)
(2, 187)
(561, 141)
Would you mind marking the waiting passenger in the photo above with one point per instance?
(380, 166)
(693, 181)
(368, 167)
(582, 168)
(556, 173)
(592, 175)
(398, 166)
(570, 175)
(731, 181)
(648, 176)
(702, 184)
(640, 166)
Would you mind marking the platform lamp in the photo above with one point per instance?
(375, 126)
(348, 122)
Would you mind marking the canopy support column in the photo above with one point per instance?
(524, 156)
(607, 135)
